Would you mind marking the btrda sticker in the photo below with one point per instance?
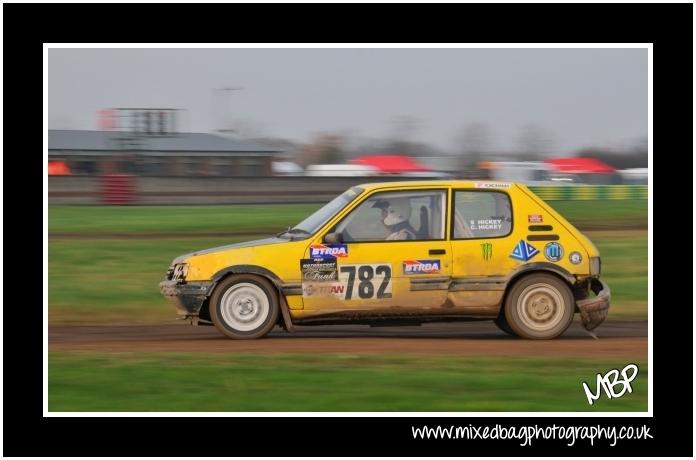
(328, 251)
(415, 267)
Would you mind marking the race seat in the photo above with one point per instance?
(423, 232)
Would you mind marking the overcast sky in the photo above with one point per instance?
(582, 97)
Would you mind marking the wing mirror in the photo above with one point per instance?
(333, 238)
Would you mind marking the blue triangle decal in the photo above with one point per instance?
(517, 253)
(531, 250)
(524, 251)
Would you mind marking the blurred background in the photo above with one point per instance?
(173, 126)
(154, 153)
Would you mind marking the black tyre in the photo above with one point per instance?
(539, 306)
(503, 325)
(244, 306)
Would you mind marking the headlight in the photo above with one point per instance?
(595, 265)
(180, 272)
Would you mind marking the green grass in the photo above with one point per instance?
(114, 280)
(605, 214)
(234, 383)
(625, 269)
(192, 219)
(106, 281)
(175, 218)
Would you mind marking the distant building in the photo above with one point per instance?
(391, 164)
(342, 170)
(286, 168)
(182, 154)
(572, 170)
(636, 176)
(582, 170)
(518, 171)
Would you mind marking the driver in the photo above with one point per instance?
(395, 217)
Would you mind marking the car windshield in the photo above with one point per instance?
(314, 222)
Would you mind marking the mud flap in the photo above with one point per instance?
(594, 311)
(285, 310)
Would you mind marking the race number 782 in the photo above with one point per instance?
(366, 281)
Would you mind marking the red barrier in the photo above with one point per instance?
(118, 189)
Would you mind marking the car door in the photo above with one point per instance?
(372, 270)
(481, 248)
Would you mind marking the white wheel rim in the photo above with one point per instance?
(244, 307)
(540, 307)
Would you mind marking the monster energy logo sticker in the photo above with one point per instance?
(487, 251)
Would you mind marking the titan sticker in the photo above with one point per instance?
(323, 290)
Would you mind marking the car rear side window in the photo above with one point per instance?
(481, 214)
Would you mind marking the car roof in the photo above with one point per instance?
(437, 183)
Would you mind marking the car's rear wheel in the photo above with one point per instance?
(503, 325)
(244, 306)
(539, 306)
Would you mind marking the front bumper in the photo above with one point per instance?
(594, 311)
(186, 297)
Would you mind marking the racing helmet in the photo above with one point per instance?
(398, 211)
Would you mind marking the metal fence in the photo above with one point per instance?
(592, 192)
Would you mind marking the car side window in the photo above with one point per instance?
(481, 214)
(389, 216)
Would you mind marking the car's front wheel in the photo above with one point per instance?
(539, 306)
(244, 306)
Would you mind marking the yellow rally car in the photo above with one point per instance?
(402, 253)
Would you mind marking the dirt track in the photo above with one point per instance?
(615, 339)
